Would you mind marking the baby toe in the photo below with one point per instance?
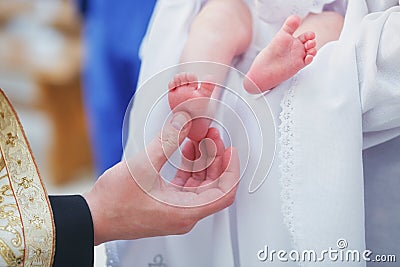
(190, 77)
(171, 85)
(206, 89)
(291, 24)
(307, 36)
(312, 51)
(310, 44)
(308, 59)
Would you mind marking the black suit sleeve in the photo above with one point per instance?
(74, 231)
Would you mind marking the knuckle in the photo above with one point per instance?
(168, 140)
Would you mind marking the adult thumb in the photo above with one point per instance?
(169, 139)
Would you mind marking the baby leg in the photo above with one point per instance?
(282, 58)
(186, 93)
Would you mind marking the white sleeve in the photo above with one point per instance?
(381, 5)
(338, 6)
(378, 63)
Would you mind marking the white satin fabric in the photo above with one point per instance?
(346, 100)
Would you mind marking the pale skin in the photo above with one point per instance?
(225, 30)
(131, 200)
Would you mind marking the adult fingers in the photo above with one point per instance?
(224, 195)
(169, 139)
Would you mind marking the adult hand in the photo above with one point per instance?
(146, 206)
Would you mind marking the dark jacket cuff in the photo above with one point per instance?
(74, 231)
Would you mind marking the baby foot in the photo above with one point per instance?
(187, 94)
(282, 58)
(203, 164)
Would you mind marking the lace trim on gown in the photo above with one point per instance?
(287, 146)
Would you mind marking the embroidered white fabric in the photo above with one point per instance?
(287, 149)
